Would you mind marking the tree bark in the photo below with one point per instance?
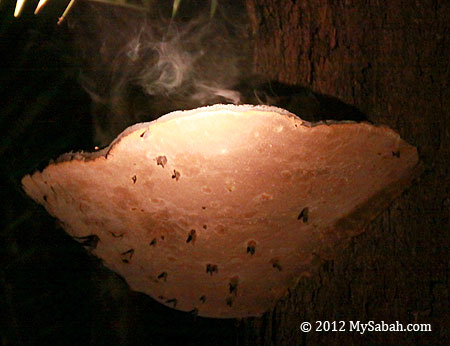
(391, 60)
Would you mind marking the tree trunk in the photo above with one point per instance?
(391, 60)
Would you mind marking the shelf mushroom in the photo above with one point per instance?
(220, 210)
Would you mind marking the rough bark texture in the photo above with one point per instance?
(391, 60)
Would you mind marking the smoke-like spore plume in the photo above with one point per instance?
(139, 65)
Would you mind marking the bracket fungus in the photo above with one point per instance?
(221, 209)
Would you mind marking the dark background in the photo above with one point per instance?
(389, 60)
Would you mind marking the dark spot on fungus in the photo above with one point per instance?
(172, 301)
(163, 276)
(107, 153)
(134, 178)
(396, 153)
(90, 241)
(276, 264)
(127, 255)
(203, 207)
(233, 284)
(161, 161)
(203, 299)
(205, 226)
(143, 134)
(251, 247)
(162, 237)
(116, 235)
(229, 301)
(161, 297)
(303, 215)
(153, 242)
(211, 268)
(45, 198)
(176, 175)
(191, 237)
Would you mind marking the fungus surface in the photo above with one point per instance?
(234, 208)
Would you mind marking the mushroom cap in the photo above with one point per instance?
(220, 210)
